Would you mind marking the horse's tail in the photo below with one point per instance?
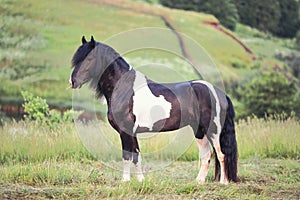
(228, 146)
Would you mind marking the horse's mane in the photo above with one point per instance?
(81, 53)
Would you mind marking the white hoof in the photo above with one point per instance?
(200, 180)
(224, 182)
(126, 178)
(140, 178)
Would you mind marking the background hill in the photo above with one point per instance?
(47, 156)
(38, 39)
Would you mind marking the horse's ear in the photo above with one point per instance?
(83, 40)
(92, 42)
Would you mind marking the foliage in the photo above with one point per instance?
(297, 42)
(40, 163)
(289, 22)
(269, 93)
(36, 108)
(292, 60)
(279, 17)
(227, 13)
(263, 15)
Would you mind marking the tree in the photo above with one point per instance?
(269, 93)
(297, 42)
(263, 15)
(279, 17)
(224, 10)
(289, 22)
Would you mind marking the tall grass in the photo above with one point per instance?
(27, 141)
(272, 138)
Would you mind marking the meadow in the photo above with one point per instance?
(71, 161)
(41, 162)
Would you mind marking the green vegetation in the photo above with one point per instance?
(37, 109)
(279, 17)
(40, 162)
(227, 13)
(47, 158)
(38, 39)
(268, 93)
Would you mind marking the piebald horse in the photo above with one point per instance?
(137, 104)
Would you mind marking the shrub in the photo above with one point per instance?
(37, 109)
(269, 93)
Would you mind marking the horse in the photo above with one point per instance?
(137, 104)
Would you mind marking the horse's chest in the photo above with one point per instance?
(147, 107)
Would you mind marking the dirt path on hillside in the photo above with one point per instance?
(217, 26)
(148, 9)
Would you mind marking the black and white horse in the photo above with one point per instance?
(136, 104)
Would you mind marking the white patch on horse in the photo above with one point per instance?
(103, 100)
(217, 118)
(148, 108)
(126, 170)
(138, 169)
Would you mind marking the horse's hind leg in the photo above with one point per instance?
(205, 156)
(220, 157)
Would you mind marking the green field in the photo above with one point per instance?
(38, 161)
(39, 38)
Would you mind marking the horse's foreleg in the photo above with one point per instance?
(205, 156)
(127, 145)
(137, 160)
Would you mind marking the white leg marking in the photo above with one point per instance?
(144, 101)
(205, 156)
(138, 169)
(126, 170)
(221, 158)
(216, 137)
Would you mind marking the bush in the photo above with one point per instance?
(292, 60)
(269, 93)
(37, 109)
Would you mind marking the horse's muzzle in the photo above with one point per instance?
(74, 84)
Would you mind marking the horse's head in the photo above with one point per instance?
(84, 63)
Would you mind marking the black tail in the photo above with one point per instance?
(228, 146)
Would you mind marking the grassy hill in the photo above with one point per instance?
(38, 39)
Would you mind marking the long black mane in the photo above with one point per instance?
(117, 67)
(81, 53)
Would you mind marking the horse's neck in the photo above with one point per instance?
(114, 72)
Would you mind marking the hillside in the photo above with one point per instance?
(40, 37)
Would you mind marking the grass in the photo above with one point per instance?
(37, 41)
(42, 36)
(261, 179)
(40, 162)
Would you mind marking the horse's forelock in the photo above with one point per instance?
(81, 53)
